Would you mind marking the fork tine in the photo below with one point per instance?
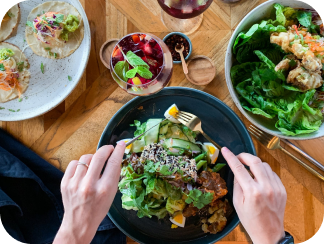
(258, 133)
(262, 139)
(186, 115)
(256, 136)
(262, 133)
(181, 117)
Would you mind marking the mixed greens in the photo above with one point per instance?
(168, 173)
(279, 69)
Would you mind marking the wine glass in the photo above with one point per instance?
(183, 15)
(156, 60)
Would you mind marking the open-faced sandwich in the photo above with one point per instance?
(54, 30)
(14, 74)
(9, 22)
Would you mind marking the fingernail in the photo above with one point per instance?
(225, 149)
(121, 143)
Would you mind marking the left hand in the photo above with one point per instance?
(87, 195)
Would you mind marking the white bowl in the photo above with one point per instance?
(255, 16)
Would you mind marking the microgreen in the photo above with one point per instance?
(55, 55)
(69, 78)
(20, 66)
(59, 18)
(2, 68)
(47, 48)
(20, 100)
(1, 108)
(11, 14)
(42, 68)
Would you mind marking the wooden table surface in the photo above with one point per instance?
(74, 127)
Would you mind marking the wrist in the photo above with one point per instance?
(273, 239)
(70, 233)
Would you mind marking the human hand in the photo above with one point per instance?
(87, 195)
(260, 202)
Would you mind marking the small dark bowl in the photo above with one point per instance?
(222, 125)
(184, 36)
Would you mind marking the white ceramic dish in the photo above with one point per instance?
(46, 90)
(255, 16)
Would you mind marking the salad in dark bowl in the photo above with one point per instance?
(156, 195)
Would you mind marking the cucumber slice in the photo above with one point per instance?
(178, 143)
(164, 129)
(138, 146)
(177, 133)
(162, 137)
(153, 135)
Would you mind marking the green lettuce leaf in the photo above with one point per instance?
(257, 38)
(300, 118)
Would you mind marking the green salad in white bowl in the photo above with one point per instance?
(274, 69)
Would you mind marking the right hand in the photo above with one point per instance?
(260, 202)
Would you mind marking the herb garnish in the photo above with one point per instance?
(140, 67)
(42, 67)
(199, 199)
(11, 14)
(20, 66)
(1, 108)
(121, 68)
(70, 78)
(30, 24)
(55, 55)
(2, 68)
(140, 128)
(47, 48)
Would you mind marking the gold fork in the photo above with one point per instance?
(273, 142)
(194, 124)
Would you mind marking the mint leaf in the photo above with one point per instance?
(131, 73)
(2, 68)
(135, 60)
(121, 69)
(199, 199)
(30, 24)
(144, 72)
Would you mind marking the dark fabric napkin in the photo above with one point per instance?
(31, 205)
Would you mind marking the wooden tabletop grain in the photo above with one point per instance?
(74, 127)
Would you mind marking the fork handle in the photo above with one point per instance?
(305, 155)
(211, 140)
(310, 169)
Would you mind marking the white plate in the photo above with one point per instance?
(47, 90)
(255, 16)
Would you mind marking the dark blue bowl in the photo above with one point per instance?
(184, 36)
(218, 120)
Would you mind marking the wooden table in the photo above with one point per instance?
(73, 128)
